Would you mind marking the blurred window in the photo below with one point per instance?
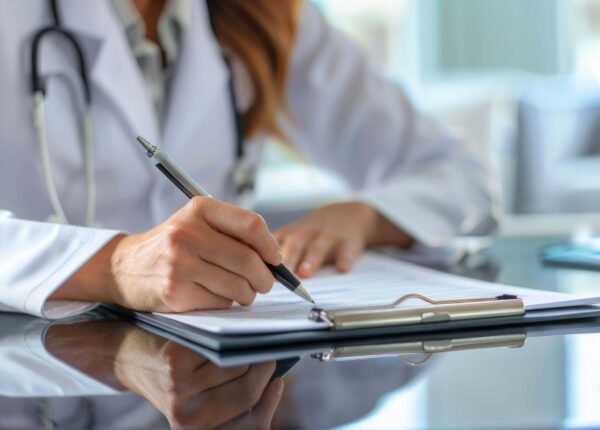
(466, 62)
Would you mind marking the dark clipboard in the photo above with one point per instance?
(219, 342)
(288, 355)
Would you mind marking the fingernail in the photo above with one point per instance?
(345, 264)
(279, 258)
(278, 384)
(306, 266)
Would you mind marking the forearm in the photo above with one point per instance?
(386, 232)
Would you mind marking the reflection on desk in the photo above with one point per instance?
(100, 358)
(110, 374)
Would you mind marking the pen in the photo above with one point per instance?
(190, 188)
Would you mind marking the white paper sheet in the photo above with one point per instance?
(375, 280)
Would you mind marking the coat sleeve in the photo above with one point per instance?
(36, 258)
(348, 119)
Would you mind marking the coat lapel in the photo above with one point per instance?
(199, 78)
(114, 74)
(198, 111)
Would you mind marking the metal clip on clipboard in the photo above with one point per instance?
(440, 311)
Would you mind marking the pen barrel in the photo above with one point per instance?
(178, 177)
(284, 276)
(190, 188)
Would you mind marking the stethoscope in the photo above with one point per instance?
(243, 173)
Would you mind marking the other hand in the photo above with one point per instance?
(336, 234)
(206, 256)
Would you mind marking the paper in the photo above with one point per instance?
(375, 280)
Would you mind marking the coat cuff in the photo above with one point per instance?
(430, 218)
(87, 243)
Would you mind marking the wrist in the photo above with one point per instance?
(94, 281)
(383, 232)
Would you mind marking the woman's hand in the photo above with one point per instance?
(336, 234)
(206, 256)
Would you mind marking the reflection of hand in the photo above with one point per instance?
(336, 234)
(261, 415)
(191, 391)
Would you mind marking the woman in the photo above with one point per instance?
(157, 69)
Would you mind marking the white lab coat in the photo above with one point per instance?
(347, 119)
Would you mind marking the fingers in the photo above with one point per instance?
(243, 225)
(346, 254)
(188, 296)
(234, 398)
(179, 357)
(211, 376)
(283, 232)
(237, 258)
(206, 378)
(317, 253)
(261, 416)
(223, 283)
(294, 246)
(307, 250)
(229, 285)
(189, 373)
(266, 407)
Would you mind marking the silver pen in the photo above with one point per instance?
(190, 188)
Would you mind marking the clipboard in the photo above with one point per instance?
(403, 346)
(496, 312)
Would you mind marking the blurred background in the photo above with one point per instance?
(519, 79)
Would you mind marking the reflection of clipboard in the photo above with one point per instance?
(425, 349)
(444, 341)
(437, 311)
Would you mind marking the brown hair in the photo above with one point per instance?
(261, 34)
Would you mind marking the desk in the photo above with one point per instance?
(549, 382)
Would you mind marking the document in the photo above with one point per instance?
(375, 280)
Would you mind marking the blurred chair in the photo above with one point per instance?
(558, 149)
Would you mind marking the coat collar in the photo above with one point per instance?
(116, 76)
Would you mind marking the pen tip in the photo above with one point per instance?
(302, 292)
(143, 142)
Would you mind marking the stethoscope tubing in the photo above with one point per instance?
(243, 175)
(38, 88)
